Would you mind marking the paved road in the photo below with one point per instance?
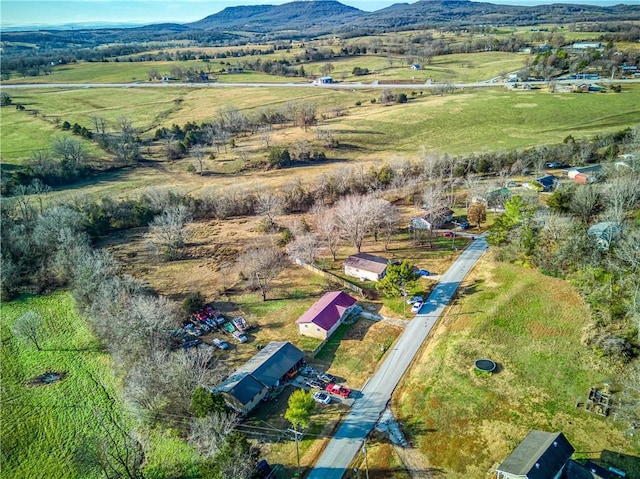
(376, 393)
(348, 86)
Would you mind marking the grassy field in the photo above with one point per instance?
(44, 428)
(531, 326)
(490, 119)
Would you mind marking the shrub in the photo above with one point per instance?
(193, 302)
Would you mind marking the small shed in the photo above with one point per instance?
(541, 455)
(323, 318)
(366, 266)
(323, 81)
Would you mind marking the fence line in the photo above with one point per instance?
(332, 277)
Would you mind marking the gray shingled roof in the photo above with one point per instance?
(367, 262)
(264, 369)
(539, 456)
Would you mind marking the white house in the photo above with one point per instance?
(366, 266)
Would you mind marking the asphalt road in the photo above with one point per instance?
(376, 393)
(348, 86)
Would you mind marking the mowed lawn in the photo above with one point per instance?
(465, 423)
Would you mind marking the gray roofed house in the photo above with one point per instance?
(605, 234)
(366, 266)
(541, 455)
(249, 384)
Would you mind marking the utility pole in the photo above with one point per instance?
(297, 436)
(366, 459)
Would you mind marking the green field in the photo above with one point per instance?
(46, 429)
(531, 326)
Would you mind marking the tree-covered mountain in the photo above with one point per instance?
(300, 16)
(300, 19)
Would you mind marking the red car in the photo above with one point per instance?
(338, 390)
(449, 234)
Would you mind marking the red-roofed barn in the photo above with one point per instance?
(323, 318)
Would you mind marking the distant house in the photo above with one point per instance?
(605, 234)
(494, 199)
(235, 70)
(416, 66)
(323, 318)
(366, 266)
(432, 219)
(541, 455)
(544, 183)
(323, 81)
(587, 45)
(584, 174)
(276, 363)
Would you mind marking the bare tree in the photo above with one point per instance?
(305, 247)
(28, 327)
(71, 150)
(586, 202)
(199, 153)
(261, 265)
(118, 453)
(268, 205)
(326, 227)
(167, 231)
(209, 433)
(99, 125)
(306, 114)
(353, 219)
(265, 134)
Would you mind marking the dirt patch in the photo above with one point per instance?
(49, 377)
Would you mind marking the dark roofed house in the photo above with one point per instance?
(544, 183)
(249, 384)
(323, 318)
(433, 218)
(541, 455)
(366, 266)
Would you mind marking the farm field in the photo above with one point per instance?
(531, 326)
(490, 120)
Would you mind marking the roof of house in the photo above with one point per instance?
(586, 169)
(606, 229)
(264, 369)
(367, 262)
(540, 455)
(328, 310)
(547, 180)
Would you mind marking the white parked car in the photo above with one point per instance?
(416, 307)
(322, 398)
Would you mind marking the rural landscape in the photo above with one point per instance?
(305, 240)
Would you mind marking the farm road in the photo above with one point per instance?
(376, 393)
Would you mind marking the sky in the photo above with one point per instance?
(57, 12)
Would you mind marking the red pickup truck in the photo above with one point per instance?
(338, 390)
